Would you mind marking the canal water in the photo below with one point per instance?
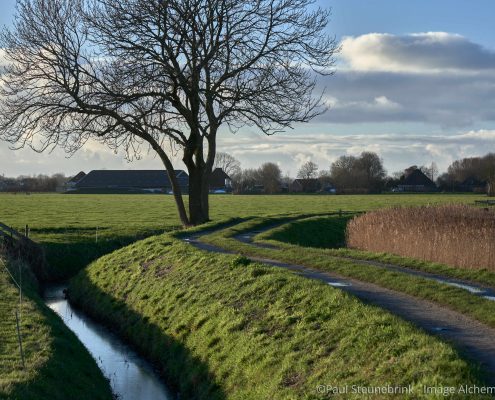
(131, 377)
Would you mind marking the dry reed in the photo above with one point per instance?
(456, 235)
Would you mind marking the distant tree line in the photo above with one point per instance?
(364, 173)
(35, 183)
(477, 173)
(348, 174)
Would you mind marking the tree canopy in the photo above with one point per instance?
(161, 76)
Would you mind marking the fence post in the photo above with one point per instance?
(26, 231)
(20, 339)
(20, 290)
(96, 237)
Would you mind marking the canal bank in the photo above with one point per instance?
(40, 358)
(130, 376)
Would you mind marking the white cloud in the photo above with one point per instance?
(398, 150)
(289, 150)
(430, 52)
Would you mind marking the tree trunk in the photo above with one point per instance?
(175, 184)
(490, 187)
(198, 195)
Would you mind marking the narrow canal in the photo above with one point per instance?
(131, 377)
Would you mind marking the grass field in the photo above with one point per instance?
(221, 328)
(232, 326)
(52, 353)
(77, 229)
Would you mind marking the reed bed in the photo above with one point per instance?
(456, 235)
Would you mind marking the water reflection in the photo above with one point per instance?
(130, 376)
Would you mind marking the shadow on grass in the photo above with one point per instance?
(319, 232)
(184, 373)
(68, 230)
(66, 258)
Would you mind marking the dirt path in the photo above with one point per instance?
(474, 339)
(472, 287)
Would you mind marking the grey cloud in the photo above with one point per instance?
(420, 52)
(436, 78)
(446, 100)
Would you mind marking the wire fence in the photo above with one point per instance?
(18, 308)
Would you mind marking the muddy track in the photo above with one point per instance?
(473, 339)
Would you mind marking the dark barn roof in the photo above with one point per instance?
(417, 178)
(218, 178)
(140, 179)
(77, 177)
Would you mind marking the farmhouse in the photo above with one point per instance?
(220, 181)
(129, 181)
(414, 180)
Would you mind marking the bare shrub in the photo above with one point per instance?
(456, 235)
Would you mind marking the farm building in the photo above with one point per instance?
(129, 181)
(139, 181)
(220, 181)
(71, 183)
(414, 180)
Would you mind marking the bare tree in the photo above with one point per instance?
(372, 166)
(308, 170)
(230, 165)
(270, 177)
(245, 180)
(162, 76)
(364, 172)
(430, 171)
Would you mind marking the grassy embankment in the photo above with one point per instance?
(58, 367)
(221, 328)
(66, 225)
(454, 298)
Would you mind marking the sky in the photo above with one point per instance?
(414, 82)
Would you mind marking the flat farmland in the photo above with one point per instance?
(76, 229)
(46, 213)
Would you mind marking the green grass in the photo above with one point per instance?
(66, 225)
(58, 367)
(159, 291)
(319, 231)
(222, 328)
(454, 298)
(329, 232)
